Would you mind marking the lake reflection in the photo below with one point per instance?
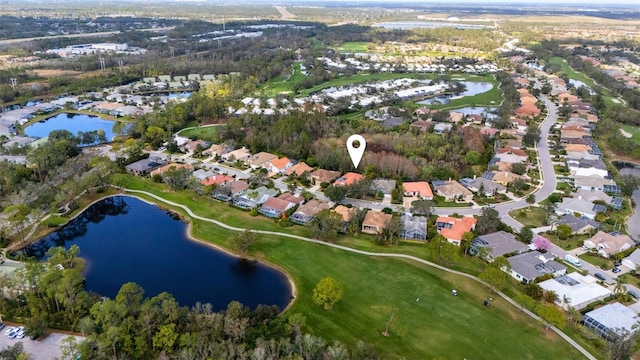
(124, 239)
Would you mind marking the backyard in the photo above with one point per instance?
(533, 216)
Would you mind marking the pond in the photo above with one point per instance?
(124, 239)
(633, 221)
(473, 88)
(72, 123)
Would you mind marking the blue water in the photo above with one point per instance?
(71, 122)
(124, 239)
(473, 88)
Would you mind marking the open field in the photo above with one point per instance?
(570, 72)
(202, 132)
(530, 216)
(283, 85)
(435, 326)
(634, 131)
(355, 46)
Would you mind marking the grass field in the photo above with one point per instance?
(492, 97)
(436, 326)
(530, 216)
(355, 46)
(283, 85)
(570, 72)
(634, 131)
(204, 132)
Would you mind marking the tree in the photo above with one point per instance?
(243, 241)
(335, 193)
(532, 136)
(534, 291)
(526, 234)
(328, 292)
(325, 225)
(628, 184)
(422, 207)
(467, 239)
(541, 243)
(620, 290)
(166, 337)
(620, 344)
(550, 296)
(564, 231)
(551, 315)
(518, 184)
(519, 168)
(495, 277)
(531, 199)
(488, 221)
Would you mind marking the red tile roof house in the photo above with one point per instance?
(299, 169)
(453, 228)
(349, 178)
(322, 175)
(418, 188)
(275, 207)
(374, 222)
(305, 213)
(279, 165)
(216, 180)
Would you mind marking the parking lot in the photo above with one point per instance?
(44, 349)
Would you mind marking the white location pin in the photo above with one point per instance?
(356, 152)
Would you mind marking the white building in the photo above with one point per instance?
(578, 290)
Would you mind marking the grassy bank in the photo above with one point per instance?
(436, 326)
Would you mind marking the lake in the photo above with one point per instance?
(124, 239)
(72, 123)
(633, 221)
(473, 88)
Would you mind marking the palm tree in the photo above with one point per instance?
(620, 290)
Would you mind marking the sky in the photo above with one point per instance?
(388, 3)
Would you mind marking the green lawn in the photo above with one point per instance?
(530, 216)
(354, 46)
(492, 97)
(200, 132)
(571, 73)
(574, 241)
(598, 261)
(436, 326)
(283, 85)
(634, 131)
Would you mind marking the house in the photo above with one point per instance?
(279, 166)
(453, 228)
(633, 260)
(193, 145)
(505, 177)
(216, 150)
(305, 213)
(241, 154)
(231, 190)
(485, 187)
(413, 227)
(512, 155)
(591, 182)
(593, 195)
(260, 159)
(252, 198)
(383, 185)
(452, 191)
(498, 243)
(375, 221)
(171, 166)
(580, 206)
(324, 176)
(528, 266)
(420, 125)
(607, 244)
(346, 214)
(216, 180)
(575, 290)
(299, 169)
(611, 320)
(145, 166)
(418, 188)
(291, 198)
(579, 225)
(349, 178)
(275, 207)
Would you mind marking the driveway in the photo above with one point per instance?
(45, 349)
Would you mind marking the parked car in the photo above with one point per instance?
(584, 248)
(1, 326)
(633, 294)
(9, 330)
(600, 276)
(616, 270)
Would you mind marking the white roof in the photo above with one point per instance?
(615, 316)
(581, 291)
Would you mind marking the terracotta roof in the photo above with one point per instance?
(506, 177)
(276, 203)
(280, 163)
(349, 178)
(422, 187)
(577, 147)
(299, 169)
(238, 186)
(261, 158)
(510, 150)
(458, 226)
(161, 170)
(312, 207)
(291, 198)
(216, 180)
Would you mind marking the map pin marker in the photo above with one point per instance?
(356, 152)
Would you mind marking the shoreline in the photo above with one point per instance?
(189, 236)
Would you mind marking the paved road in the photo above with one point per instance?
(367, 253)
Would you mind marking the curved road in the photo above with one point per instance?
(367, 253)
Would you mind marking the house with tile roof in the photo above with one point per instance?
(275, 207)
(216, 180)
(229, 191)
(454, 228)
(326, 176)
(241, 154)
(253, 198)
(375, 221)
(488, 188)
(280, 165)
(349, 178)
(299, 169)
(417, 188)
(261, 159)
(505, 177)
(528, 266)
(171, 166)
(452, 191)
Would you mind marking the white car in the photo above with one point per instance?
(9, 330)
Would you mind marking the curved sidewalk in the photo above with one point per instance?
(345, 248)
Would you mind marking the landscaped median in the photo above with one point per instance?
(428, 321)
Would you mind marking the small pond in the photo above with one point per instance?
(124, 239)
(473, 88)
(72, 123)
